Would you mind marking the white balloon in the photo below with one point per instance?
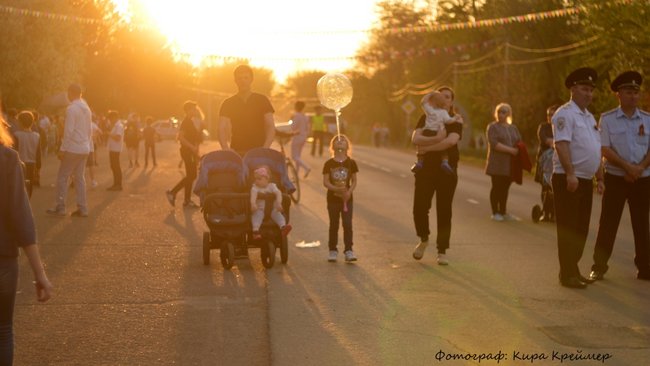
(334, 91)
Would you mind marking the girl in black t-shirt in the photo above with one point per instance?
(340, 179)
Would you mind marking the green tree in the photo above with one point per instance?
(528, 80)
(389, 60)
(41, 56)
(624, 39)
(302, 85)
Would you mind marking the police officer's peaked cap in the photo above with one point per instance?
(581, 76)
(628, 79)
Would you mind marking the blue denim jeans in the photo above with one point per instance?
(335, 210)
(8, 285)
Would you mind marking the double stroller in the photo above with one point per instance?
(223, 187)
(543, 174)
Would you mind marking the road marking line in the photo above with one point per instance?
(473, 201)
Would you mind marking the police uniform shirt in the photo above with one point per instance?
(628, 137)
(579, 128)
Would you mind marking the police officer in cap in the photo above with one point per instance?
(625, 136)
(575, 163)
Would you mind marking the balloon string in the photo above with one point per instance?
(338, 129)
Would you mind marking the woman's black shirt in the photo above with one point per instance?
(453, 154)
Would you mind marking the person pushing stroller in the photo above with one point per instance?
(544, 168)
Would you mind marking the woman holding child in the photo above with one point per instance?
(433, 178)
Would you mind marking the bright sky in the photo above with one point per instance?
(283, 35)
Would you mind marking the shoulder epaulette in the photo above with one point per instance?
(644, 113)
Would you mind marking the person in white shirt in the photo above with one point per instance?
(625, 139)
(301, 128)
(75, 147)
(115, 140)
(576, 161)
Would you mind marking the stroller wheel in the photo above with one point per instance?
(536, 214)
(227, 255)
(284, 250)
(268, 254)
(206, 248)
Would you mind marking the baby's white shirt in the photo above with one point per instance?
(270, 188)
(436, 117)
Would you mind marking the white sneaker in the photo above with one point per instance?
(332, 256)
(349, 256)
(497, 217)
(418, 253)
(442, 259)
(94, 184)
(509, 217)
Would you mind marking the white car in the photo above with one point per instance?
(166, 129)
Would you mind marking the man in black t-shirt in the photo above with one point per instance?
(246, 118)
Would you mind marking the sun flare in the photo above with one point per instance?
(283, 35)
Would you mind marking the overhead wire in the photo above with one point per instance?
(458, 68)
(556, 49)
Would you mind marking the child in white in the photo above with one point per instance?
(262, 185)
(437, 116)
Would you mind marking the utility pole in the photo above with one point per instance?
(506, 56)
(455, 75)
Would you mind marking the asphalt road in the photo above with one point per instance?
(131, 288)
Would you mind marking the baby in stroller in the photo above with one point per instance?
(272, 231)
(261, 187)
(226, 203)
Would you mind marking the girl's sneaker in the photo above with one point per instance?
(349, 256)
(508, 217)
(331, 257)
(497, 217)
